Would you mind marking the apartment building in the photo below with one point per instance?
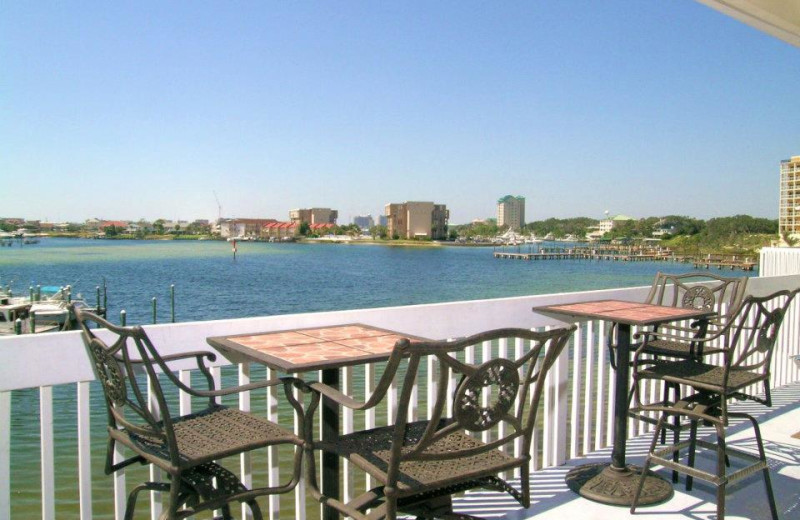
(314, 215)
(789, 208)
(244, 227)
(364, 221)
(511, 212)
(417, 220)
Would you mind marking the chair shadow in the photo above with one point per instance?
(745, 498)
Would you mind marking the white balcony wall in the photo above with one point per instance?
(575, 408)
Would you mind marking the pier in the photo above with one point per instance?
(629, 254)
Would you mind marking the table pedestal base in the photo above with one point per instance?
(614, 486)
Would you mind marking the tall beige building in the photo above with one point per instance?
(789, 209)
(314, 216)
(511, 212)
(417, 220)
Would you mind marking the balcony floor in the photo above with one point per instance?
(551, 499)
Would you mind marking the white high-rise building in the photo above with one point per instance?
(789, 209)
(511, 212)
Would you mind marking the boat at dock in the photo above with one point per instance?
(45, 309)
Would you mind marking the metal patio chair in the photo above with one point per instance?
(419, 465)
(185, 447)
(748, 342)
(697, 290)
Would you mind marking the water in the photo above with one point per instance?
(264, 279)
(268, 279)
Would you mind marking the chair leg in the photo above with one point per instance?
(767, 480)
(676, 432)
(692, 451)
(646, 465)
(720, 471)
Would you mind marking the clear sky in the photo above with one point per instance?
(128, 110)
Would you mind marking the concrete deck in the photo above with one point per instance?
(746, 499)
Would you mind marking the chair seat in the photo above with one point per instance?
(700, 375)
(663, 347)
(215, 433)
(370, 450)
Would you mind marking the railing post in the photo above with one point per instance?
(172, 301)
(123, 317)
(5, 454)
(154, 309)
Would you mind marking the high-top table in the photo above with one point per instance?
(323, 348)
(616, 483)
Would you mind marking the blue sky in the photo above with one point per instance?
(144, 110)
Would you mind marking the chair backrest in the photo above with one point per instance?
(755, 328)
(126, 370)
(699, 291)
(487, 394)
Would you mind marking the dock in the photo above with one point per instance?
(628, 254)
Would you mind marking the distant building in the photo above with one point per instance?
(383, 220)
(243, 227)
(608, 224)
(314, 216)
(789, 209)
(364, 221)
(417, 220)
(280, 230)
(511, 212)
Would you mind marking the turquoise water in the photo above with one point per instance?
(263, 279)
(268, 279)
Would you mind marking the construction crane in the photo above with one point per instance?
(219, 207)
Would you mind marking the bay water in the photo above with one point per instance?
(263, 279)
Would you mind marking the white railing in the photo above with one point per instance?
(576, 406)
(778, 261)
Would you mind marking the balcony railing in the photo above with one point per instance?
(53, 369)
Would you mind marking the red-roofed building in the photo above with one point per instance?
(321, 228)
(119, 224)
(280, 230)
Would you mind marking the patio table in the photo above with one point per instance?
(321, 348)
(615, 483)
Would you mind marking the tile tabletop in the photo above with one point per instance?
(310, 349)
(631, 313)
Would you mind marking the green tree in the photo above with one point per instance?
(158, 226)
(379, 232)
(305, 229)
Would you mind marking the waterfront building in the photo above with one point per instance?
(417, 220)
(789, 209)
(383, 220)
(280, 230)
(314, 215)
(364, 221)
(511, 212)
(608, 224)
(243, 227)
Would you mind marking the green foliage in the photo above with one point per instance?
(158, 226)
(379, 231)
(484, 229)
(305, 228)
(738, 224)
(111, 231)
(677, 225)
(560, 228)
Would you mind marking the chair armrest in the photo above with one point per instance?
(242, 388)
(343, 399)
(183, 355)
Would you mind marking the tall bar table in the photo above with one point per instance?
(615, 483)
(323, 348)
